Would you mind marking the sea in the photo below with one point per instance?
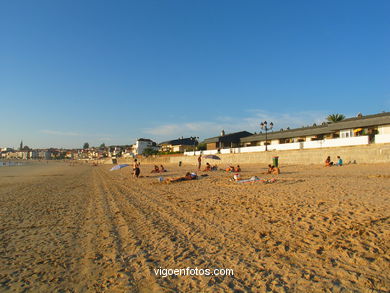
(10, 164)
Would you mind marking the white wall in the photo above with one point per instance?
(356, 140)
(382, 138)
(384, 129)
(326, 143)
(285, 146)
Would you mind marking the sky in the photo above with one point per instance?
(114, 71)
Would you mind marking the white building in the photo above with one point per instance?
(142, 144)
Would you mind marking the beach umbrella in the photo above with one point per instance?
(117, 167)
(213, 157)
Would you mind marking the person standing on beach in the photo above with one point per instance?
(199, 162)
(136, 169)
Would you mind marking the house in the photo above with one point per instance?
(44, 154)
(288, 136)
(114, 151)
(230, 140)
(376, 127)
(4, 152)
(128, 152)
(179, 145)
(33, 154)
(370, 125)
(144, 143)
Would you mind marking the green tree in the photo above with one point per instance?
(102, 146)
(335, 117)
(201, 147)
(149, 152)
(86, 145)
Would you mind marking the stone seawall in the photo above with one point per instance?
(375, 153)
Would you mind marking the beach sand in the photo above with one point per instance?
(85, 229)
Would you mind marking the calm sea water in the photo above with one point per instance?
(10, 164)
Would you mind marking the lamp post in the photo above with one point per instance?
(264, 126)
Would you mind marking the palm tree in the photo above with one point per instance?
(335, 117)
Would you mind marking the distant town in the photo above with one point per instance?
(337, 131)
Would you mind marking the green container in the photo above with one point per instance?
(275, 161)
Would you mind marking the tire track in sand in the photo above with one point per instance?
(175, 241)
(102, 267)
(132, 257)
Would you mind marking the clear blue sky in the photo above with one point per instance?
(113, 71)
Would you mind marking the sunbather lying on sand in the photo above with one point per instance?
(256, 179)
(188, 176)
(230, 169)
(162, 169)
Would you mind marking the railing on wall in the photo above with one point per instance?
(326, 143)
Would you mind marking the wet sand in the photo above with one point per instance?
(85, 229)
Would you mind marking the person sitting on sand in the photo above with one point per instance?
(188, 176)
(339, 161)
(162, 169)
(214, 168)
(328, 162)
(155, 170)
(270, 169)
(208, 167)
(276, 170)
(273, 170)
(237, 169)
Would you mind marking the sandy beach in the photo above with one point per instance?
(86, 229)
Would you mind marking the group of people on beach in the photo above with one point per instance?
(274, 170)
(210, 168)
(233, 169)
(137, 170)
(157, 169)
(190, 176)
(329, 163)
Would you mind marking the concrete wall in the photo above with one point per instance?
(373, 153)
